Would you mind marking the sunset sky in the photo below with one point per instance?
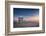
(25, 12)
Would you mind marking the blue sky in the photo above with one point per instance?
(25, 12)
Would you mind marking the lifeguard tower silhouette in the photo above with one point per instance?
(20, 20)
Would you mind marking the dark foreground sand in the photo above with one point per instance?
(27, 25)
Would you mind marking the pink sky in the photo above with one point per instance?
(32, 19)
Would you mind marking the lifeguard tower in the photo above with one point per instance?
(20, 19)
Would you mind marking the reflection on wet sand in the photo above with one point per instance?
(32, 21)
